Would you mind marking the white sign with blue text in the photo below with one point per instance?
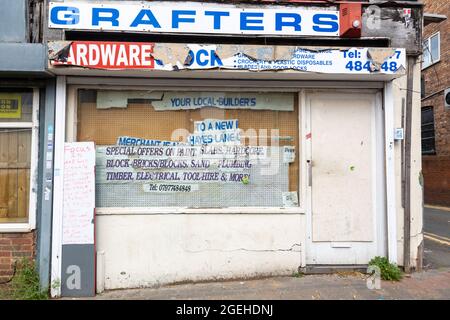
(343, 61)
(193, 17)
(225, 100)
(215, 131)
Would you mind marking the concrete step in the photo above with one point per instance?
(324, 269)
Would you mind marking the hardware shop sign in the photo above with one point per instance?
(177, 57)
(193, 17)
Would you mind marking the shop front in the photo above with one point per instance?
(216, 161)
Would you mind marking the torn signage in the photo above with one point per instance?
(106, 55)
(176, 57)
(225, 100)
(194, 18)
(354, 60)
(119, 98)
(172, 101)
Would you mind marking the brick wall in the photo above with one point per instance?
(436, 168)
(436, 172)
(14, 246)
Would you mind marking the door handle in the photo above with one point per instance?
(309, 168)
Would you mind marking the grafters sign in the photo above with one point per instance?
(193, 17)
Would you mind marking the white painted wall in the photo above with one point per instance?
(416, 169)
(400, 91)
(155, 249)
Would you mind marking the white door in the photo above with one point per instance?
(345, 216)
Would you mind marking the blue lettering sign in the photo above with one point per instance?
(145, 16)
(97, 17)
(204, 58)
(325, 23)
(176, 19)
(246, 21)
(294, 21)
(217, 15)
(70, 17)
(205, 19)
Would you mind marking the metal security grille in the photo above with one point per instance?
(138, 118)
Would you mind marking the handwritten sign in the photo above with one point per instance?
(79, 193)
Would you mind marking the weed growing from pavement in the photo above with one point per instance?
(25, 284)
(5, 292)
(389, 271)
(298, 274)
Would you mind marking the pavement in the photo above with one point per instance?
(432, 283)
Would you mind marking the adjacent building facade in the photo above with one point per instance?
(211, 140)
(26, 105)
(435, 107)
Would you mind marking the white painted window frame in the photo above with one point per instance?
(428, 40)
(6, 227)
(71, 134)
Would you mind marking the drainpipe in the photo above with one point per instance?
(408, 134)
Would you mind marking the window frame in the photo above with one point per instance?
(432, 152)
(34, 125)
(428, 40)
(71, 136)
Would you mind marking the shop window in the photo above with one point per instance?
(192, 149)
(16, 131)
(431, 50)
(428, 138)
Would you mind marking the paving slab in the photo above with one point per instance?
(430, 284)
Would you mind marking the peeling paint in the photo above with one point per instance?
(379, 56)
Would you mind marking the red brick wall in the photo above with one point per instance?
(14, 246)
(436, 173)
(436, 169)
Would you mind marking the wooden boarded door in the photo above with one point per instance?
(345, 174)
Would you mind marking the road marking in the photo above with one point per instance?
(437, 207)
(436, 238)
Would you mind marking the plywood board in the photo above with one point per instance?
(343, 141)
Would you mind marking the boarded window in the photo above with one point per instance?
(192, 149)
(15, 155)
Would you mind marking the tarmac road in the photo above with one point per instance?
(436, 228)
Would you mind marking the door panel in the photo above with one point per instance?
(342, 175)
(345, 210)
